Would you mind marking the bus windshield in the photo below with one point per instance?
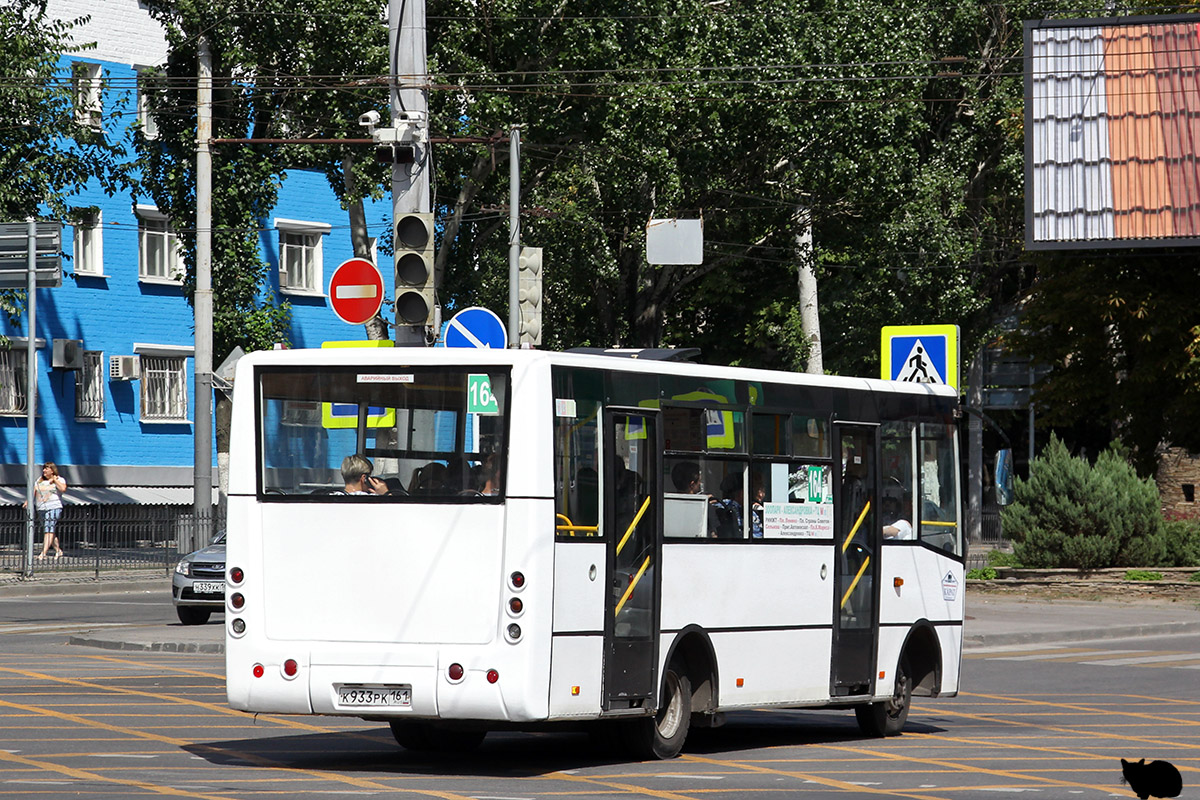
(429, 433)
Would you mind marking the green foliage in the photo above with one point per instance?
(1195, 578)
(1142, 575)
(1073, 514)
(1182, 539)
(982, 574)
(1000, 558)
(45, 155)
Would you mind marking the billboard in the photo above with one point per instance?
(1112, 123)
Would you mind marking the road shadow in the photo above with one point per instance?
(511, 754)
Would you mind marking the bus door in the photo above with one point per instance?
(632, 522)
(856, 555)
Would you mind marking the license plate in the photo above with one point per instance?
(209, 587)
(375, 696)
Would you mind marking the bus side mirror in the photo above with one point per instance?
(1004, 477)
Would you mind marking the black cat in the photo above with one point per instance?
(1156, 779)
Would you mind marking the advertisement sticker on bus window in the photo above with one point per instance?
(797, 520)
(480, 399)
(564, 408)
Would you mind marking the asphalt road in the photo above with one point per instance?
(1050, 720)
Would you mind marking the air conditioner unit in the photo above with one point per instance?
(67, 354)
(124, 368)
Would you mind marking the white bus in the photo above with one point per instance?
(636, 545)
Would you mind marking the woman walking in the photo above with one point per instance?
(47, 498)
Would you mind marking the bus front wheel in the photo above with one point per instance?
(662, 735)
(426, 736)
(887, 718)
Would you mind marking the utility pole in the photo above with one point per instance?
(810, 318)
(202, 302)
(514, 237)
(30, 389)
(410, 101)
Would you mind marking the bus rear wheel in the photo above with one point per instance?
(427, 736)
(662, 736)
(887, 718)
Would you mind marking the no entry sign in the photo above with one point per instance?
(356, 291)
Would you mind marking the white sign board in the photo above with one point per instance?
(798, 520)
(675, 241)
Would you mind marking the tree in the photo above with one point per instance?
(47, 155)
(1074, 514)
(911, 165)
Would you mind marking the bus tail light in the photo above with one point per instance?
(238, 626)
(517, 579)
(258, 670)
(515, 605)
(290, 668)
(236, 575)
(514, 631)
(492, 676)
(455, 672)
(237, 600)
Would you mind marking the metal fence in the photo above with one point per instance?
(104, 538)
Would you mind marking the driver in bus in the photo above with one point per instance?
(356, 472)
(897, 511)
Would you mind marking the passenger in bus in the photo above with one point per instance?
(686, 477)
(489, 477)
(725, 515)
(356, 472)
(758, 493)
(429, 479)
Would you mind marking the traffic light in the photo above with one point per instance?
(529, 289)
(414, 270)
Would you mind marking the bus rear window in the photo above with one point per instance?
(427, 433)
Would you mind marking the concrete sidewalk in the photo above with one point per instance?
(991, 620)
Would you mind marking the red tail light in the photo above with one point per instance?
(236, 575)
(290, 668)
(518, 580)
(455, 672)
(237, 600)
(258, 670)
(493, 676)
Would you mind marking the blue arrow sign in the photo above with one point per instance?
(476, 327)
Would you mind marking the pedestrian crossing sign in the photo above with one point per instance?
(920, 354)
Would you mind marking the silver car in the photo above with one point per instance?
(198, 585)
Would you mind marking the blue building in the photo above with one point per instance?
(115, 369)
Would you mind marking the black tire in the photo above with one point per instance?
(191, 615)
(662, 736)
(888, 717)
(428, 737)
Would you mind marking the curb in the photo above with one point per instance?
(155, 647)
(982, 640)
(40, 587)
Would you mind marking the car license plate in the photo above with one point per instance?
(360, 696)
(209, 587)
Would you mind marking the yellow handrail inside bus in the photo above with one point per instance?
(588, 530)
(942, 524)
(854, 530)
(632, 585)
(854, 583)
(632, 525)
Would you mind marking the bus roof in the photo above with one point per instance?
(431, 356)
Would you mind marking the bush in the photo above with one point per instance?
(983, 574)
(1182, 539)
(1001, 558)
(1072, 514)
(1142, 575)
(1195, 578)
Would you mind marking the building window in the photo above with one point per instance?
(85, 79)
(12, 381)
(89, 241)
(149, 84)
(300, 260)
(1189, 492)
(164, 389)
(89, 388)
(159, 256)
